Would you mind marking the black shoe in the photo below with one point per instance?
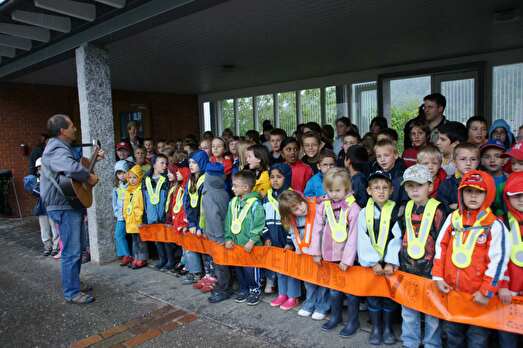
(160, 265)
(254, 298)
(335, 301)
(388, 333)
(218, 297)
(241, 297)
(47, 253)
(375, 331)
(354, 323)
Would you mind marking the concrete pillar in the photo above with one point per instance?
(96, 118)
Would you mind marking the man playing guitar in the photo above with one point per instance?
(59, 159)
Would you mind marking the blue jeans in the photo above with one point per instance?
(288, 286)
(411, 330)
(193, 261)
(509, 339)
(122, 247)
(463, 335)
(249, 279)
(317, 299)
(73, 240)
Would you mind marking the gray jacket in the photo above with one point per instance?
(215, 201)
(58, 158)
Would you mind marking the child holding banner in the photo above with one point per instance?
(378, 247)
(513, 284)
(335, 235)
(420, 225)
(471, 253)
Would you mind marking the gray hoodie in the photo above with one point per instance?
(214, 205)
(58, 158)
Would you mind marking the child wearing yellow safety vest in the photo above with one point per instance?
(335, 236)
(244, 225)
(198, 161)
(512, 285)
(472, 252)
(420, 225)
(133, 210)
(120, 186)
(378, 247)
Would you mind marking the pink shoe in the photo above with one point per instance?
(289, 304)
(278, 301)
(58, 256)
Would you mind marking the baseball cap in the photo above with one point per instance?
(379, 174)
(515, 152)
(514, 184)
(496, 144)
(123, 145)
(475, 180)
(417, 173)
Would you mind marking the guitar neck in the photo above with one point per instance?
(94, 157)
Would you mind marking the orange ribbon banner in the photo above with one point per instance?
(415, 292)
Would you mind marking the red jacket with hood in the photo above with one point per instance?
(491, 251)
(179, 219)
(514, 275)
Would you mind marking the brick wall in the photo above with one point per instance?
(24, 110)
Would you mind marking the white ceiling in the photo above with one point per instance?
(273, 41)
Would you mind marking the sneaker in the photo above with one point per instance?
(159, 265)
(269, 287)
(54, 252)
(254, 298)
(126, 260)
(206, 280)
(304, 313)
(241, 297)
(191, 278)
(290, 304)
(318, 316)
(46, 253)
(207, 288)
(218, 297)
(58, 256)
(278, 301)
(137, 264)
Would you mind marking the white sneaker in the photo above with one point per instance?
(318, 316)
(303, 313)
(269, 287)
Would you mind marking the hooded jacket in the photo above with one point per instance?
(177, 191)
(301, 173)
(491, 251)
(514, 274)
(133, 207)
(252, 226)
(155, 213)
(502, 124)
(215, 200)
(314, 187)
(274, 230)
(194, 213)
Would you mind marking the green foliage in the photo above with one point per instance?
(400, 116)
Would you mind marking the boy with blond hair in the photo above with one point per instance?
(432, 158)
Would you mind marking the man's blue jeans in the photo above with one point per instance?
(70, 228)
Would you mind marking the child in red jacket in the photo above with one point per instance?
(512, 285)
(471, 253)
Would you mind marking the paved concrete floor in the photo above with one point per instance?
(33, 313)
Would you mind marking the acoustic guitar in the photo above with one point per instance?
(80, 194)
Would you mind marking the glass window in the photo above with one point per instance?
(245, 115)
(310, 101)
(287, 111)
(228, 114)
(507, 96)
(459, 95)
(265, 108)
(364, 104)
(207, 116)
(331, 112)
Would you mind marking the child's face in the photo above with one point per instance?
(218, 148)
(325, 164)
(466, 160)
(290, 153)
(122, 154)
(499, 134)
(492, 161)
(380, 190)
(477, 132)
(205, 145)
(432, 163)
(233, 147)
(275, 141)
(159, 146)
(516, 202)
(337, 191)
(517, 165)
(139, 155)
(133, 179)
(300, 209)
(121, 176)
(348, 141)
(148, 144)
(160, 166)
(311, 147)
(418, 137)
(193, 166)
(473, 198)
(277, 179)
(419, 193)
(252, 161)
(239, 187)
(386, 157)
(444, 144)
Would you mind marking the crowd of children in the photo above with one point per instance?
(450, 209)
